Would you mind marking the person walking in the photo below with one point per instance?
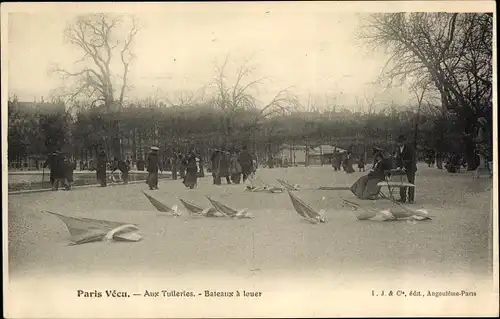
(348, 163)
(215, 161)
(361, 163)
(224, 166)
(191, 178)
(235, 168)
(51, 163)
(101, 168)
(153, 167)
(174, 164)
(246, 162)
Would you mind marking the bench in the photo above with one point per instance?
(395, 184)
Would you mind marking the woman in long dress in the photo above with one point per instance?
(153, 167)
(224, 166)
(348, 164)
(215, 163)
(235, 168)
(191, 178)
(366, 186)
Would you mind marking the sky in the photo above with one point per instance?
(310, 49)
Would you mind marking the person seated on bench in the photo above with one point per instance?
(366, 186)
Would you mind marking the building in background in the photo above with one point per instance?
(296, 154)
(323, 154)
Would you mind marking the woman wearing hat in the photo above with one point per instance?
(153, 167)
(191, 178)
(366, 186)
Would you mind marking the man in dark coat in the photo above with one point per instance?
(245, 159)
(182, 165)
(174, 164)
(215, 161)
(51, 163)
(153, 167)
(406, 160)
(224, 163)
(57, 170)
(69, 168)
(101, 168)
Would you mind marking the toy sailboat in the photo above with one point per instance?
(195, 210)
(288, 186)
(306, 211)
(363, 212)
(87, 230)
(228, 211)
(174, 210)
(257, 185)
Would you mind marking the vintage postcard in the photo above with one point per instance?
(249, 159)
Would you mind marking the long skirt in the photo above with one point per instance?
(348, 168)
(366, 186)
(191, 179)
(152, 179)
(101, 177)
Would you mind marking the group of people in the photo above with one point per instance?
(102, 166)
(61, 170)
(188, 165)
(383, 166)
(345, 161)
(234, 166)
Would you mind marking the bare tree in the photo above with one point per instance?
(187, 97)
(420, 89)
(95, 36)
(234, 98)
(453, 50)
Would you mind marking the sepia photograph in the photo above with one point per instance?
(249, 159)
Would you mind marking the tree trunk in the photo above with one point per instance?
(470, 154)
(115, 140)
(134, 144)
(469, 143)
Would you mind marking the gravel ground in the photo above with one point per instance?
(456, 242)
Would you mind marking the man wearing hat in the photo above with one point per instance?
(153, 166)
(101, 168)
(407, 161)
(51, 163)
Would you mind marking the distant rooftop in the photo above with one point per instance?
(326, 149)
(295, 147)
(40, 107)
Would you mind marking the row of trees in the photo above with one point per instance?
(205, 126)
(451, 53)
(443, 55)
